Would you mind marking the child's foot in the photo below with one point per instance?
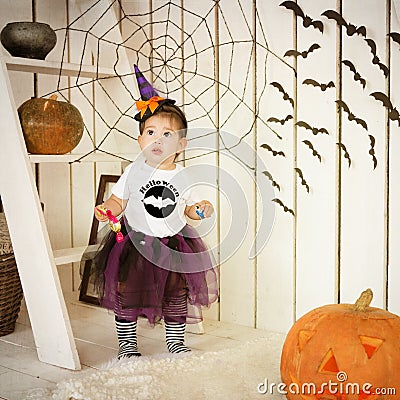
(127, 339)
(175, 333)
(177, 347)
(128, 352)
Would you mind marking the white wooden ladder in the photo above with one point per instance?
(41, 285)
(34, 256)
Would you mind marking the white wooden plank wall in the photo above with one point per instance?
(394, 168)
(237, 272)
(276, 263)
(345, 232)
(363, 228)
(315, 235)
(83, 183)
(57, 203)
(203, 120)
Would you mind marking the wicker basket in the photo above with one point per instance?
(10, 294)
(5, 240)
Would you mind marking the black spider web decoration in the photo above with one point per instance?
(173, 58)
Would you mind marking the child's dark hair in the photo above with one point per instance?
(175, 113)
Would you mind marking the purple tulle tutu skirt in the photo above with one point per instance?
(133, 277)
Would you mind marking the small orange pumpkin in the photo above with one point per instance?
(50, 126)
(356, 347)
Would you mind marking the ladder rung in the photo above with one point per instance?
(66, 256)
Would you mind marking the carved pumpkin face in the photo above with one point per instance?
(330, 341)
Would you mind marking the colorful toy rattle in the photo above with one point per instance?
(199, 212)
(114, 223)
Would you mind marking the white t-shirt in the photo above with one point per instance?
(156, 198)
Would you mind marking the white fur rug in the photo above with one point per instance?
(233, 374)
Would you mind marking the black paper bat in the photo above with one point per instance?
(304, 53)
(372, 150)
(345, 152)
(350, 28)
(350, 115)
(274, 183)
(286, 209)
(395, 36)
(274, 152)
(315, 131)
(357, 76)
(322, 86)
(392, 111)
(311, 147)
(375, 58)
(281, 121)
(282, 90)
(302, 180)
(307, 21)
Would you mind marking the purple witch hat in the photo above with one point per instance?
(151, 101)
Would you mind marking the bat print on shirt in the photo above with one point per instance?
(160, 200)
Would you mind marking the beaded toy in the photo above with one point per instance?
(114, 223)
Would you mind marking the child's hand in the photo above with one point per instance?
(100, 214)
(205, 208)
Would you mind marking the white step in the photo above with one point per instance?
(96, 156)
(72, 254)
(56, 68)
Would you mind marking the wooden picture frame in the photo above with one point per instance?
(104, 190)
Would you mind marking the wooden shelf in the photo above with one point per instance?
(72, 254)
(56, 68)
(66, 256)
(93, 157)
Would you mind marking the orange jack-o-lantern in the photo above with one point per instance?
(343, 352)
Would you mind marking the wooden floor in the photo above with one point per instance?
(21, 371)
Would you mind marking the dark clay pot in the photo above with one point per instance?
(28, 39)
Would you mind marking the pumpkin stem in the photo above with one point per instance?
(364, 300)
(53, 97)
